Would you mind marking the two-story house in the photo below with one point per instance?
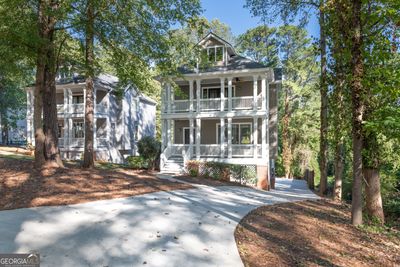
(225, 112)
(119, 122)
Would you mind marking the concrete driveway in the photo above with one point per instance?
(179, 228)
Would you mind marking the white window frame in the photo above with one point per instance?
(74, 123)
(217, 87)
(214, 47)
(240, 134)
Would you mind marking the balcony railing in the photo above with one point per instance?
(211, 150)
(76, 142)
(243, 150)
(214, 104)
(214, 150)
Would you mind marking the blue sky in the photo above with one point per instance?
(239, 18)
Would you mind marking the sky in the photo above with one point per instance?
(239, 18)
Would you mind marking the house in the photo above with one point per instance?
(225, 112)
(119, 122)
(13, 132)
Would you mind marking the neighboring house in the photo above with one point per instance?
(13, 133)
(226, 112)
(118, 122)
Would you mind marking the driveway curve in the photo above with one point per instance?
(192, 227)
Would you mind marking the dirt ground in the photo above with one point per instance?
(22, 186)
(311, 233)
(206, 181)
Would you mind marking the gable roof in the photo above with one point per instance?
(212, 35)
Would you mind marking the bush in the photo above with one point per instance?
(218, 170)
(149, 148)
(192, 167)
(137, 162)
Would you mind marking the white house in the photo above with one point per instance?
(225, 112)
(118, 122)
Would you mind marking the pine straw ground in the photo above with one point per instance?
(22, 186)
(312, 233)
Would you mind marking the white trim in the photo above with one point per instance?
(218, 87)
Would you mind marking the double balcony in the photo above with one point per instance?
(214, 104)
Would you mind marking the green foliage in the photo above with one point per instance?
(192, 167)
(137, 162)
(149, 148)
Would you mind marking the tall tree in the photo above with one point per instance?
(268, 10)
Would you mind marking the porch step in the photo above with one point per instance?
(174, 165)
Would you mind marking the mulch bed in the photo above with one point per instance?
(207, 181)
(312, 233)
(22, 186)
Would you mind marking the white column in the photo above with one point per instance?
(222, 93)
(230, 93)
(222, 137)
(69, 132)
(198, 88)
(169, 131)
(198, 136)
(267, 152)
(95, 133)
(264, 137)
(191, 137)
(168, 98)
(190, 95)
(28, 117)
(264, 97)
(163, 134)
(229, 137)
(255, 87)
(69, 101)
(255, 136)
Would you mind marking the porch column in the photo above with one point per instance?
(191, 137)
(198, 136)
(95, 133)
(66, 132)
(222, 137)
(222, 94)
(264, 84)
(163, 134)
(168, 97)
(230, 93)
(70, 135)
(169, 131)
(264, 137)
(255, 136)
(255, 87)
(191, 95)
(29, 127)
(198, 87)
(267, 130)
(172, 98)
(69, 101)
(230, 138)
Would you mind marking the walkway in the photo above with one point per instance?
(179, 228)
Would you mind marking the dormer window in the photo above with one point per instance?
(215, 53)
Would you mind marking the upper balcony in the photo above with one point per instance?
(234, 94)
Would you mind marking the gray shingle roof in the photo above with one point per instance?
(235, 63)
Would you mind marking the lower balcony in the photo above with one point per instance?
(214, 151)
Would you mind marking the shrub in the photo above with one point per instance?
(149, 148)
(218, 170)
(193, 167)
(137, 162)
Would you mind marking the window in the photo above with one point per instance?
(77, 99)
(78, 130)
(215, 53)
(241, 133)
(215, 92)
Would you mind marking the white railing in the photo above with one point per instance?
(78, 108)
(76, 142)
(210, 104)
(60, 108)
(164, 157)
(243, 102)
(243, 150)
(180, 105)
(101, 108)
(179, 149)
(211, 150)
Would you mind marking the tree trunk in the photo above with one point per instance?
(339, 169)
(88, 156)
(323, 164)
(39, 85)
(358, 107)
(373, 194)
(286, 151)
